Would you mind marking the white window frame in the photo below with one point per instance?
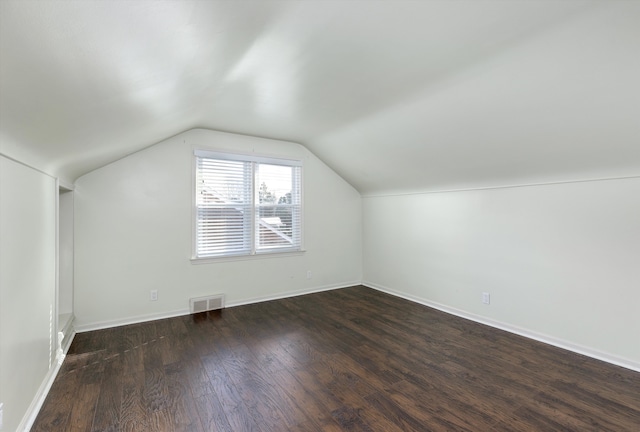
(253, 253)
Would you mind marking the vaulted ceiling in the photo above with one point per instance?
(394, 95)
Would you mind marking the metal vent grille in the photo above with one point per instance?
(208, 303)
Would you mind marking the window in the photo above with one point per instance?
(246, 205)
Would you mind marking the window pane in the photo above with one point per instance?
(223, 182)
(277, 201)
(222, 231)
(224, 207)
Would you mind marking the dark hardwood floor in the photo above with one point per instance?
(347, 360)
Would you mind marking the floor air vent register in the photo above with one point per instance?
(208, 303)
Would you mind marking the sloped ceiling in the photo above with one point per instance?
(395, 96)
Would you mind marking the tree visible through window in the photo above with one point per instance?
(246, 205)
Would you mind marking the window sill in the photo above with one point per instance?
(213, 260)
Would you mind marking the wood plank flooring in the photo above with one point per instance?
(346, 360)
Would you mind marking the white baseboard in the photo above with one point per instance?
(550, 340)
(34, 408)
(69, 333)
(131, 320)
(68, 338)
(295, 293)
(152, 317)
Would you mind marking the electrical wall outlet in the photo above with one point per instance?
(153, 295)
(309, 275)
(486, 298)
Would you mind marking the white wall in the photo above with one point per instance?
(65, 257)
(27, 285)
(561, 262)
(133, 234)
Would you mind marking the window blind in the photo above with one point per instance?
(223, 199)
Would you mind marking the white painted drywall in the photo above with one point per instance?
(133, 231)
(65, 257)
(560, 261)
(559, 105)
(27, 285)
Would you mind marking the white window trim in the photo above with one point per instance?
(265, 255)
(277, 253)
